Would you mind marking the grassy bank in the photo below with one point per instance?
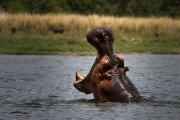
(34, 34)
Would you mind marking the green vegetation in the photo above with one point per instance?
(150, 43)
(71, 44)
(102, 7)
(43, 44)
(33, 34)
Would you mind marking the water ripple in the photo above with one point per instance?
(41, 87)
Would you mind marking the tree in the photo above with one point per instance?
(105, 7)
(171, 8)
(144, 8)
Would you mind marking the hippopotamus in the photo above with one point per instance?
(107, 78)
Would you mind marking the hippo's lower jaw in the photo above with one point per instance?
(82, 84)
(81, 89)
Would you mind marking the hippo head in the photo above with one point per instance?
(102, 39)
(83, 84)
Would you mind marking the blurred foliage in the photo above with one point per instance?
(102, 7)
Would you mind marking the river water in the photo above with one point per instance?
(40, 87)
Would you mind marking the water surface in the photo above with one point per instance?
(38, 87)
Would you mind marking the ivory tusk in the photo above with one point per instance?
(78, 77)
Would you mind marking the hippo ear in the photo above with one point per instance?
(78, 77)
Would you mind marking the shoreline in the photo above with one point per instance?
(93, 53)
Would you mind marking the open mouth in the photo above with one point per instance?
(78, 81)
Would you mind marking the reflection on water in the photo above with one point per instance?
(40, 87)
